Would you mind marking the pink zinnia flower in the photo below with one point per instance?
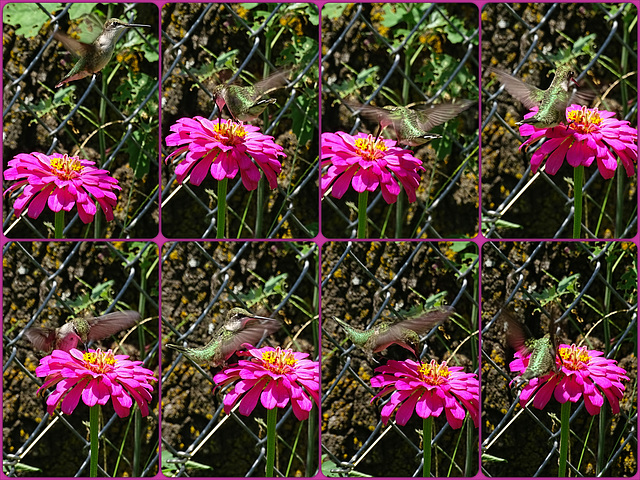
(61, 182)
(579, 372)
(95, 376)
(427, 388)
(590, 133)
(275, 376)
(366, 163)
(224, 148)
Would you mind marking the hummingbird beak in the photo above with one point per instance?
(132, 25)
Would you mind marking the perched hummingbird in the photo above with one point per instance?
(412, 125)
(543, 350)
(405, 333)
(80, 330)
(239, 327)
(93, 56)
(552, 102)
(246, 103)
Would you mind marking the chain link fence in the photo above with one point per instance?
(44, 285)
(110, 118)
(587, 292)
(202, 281)
(528, 40)
(206, 45)
(363, 284)
(405, 54)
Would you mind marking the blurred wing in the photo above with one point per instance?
(72, 45)
(106, 325)
(581, 96)
(378, 115)
(273, 81)
(41, 338)
(433, 115)
(529, 95)
(420, 325)
(252, 333)
(517, 333)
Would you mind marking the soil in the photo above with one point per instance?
(354, 288)
(37, 111)
(69, 271)
(187, 92)
(543, 208)
(223, 276)
(503, 271)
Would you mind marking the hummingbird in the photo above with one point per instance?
(405, 333)
(412, 125)
(82, 330)
(247, 103)
(93, 56)
(552, 102)
(239, 327)
(543, 350)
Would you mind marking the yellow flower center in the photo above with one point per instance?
(574, 358)
(229, 132)
(99, 361)
(66, 167)
(433, 373)
(369, 149)
(584, 120)
(279, 361)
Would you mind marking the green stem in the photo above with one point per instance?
(362, 214)
(578, 175)
(400, 214)
(565, 415)
(426, 446)
(260, 202)
(59, 224)
(94, 414)
(272, 417)
(222, 207)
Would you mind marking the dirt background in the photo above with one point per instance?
(26, 130)
(26, 285)
(456, 216)
(227, 275)
(187, 93)
(499, 279)
(349, 420)
(541, 210)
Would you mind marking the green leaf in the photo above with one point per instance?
(27, 17)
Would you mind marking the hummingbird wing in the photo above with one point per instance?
(252, 332)
(74, 46)
(273, 81)
(517, 332)
(107, 325)
(420, 325)
(41, 338)
(529, 95)
(430, 116)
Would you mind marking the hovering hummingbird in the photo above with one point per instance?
(405, 333)
(239, 327)
(93, 56)
(552, 102)
(543, 350)
(82, 330)
(246, 103)
(412, 125)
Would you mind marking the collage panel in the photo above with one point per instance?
(559, 359)
(240, 120)
(81, 113)
(232, 310)
(559, 83)
(80, 357)
(400, 318)
(400, 120)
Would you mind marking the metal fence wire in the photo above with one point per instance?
(528, 40)
(405, 54)
(44, 285)
(201, 283)
(589, 291)
(364, 284)
(206, 45)
(110, 118)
